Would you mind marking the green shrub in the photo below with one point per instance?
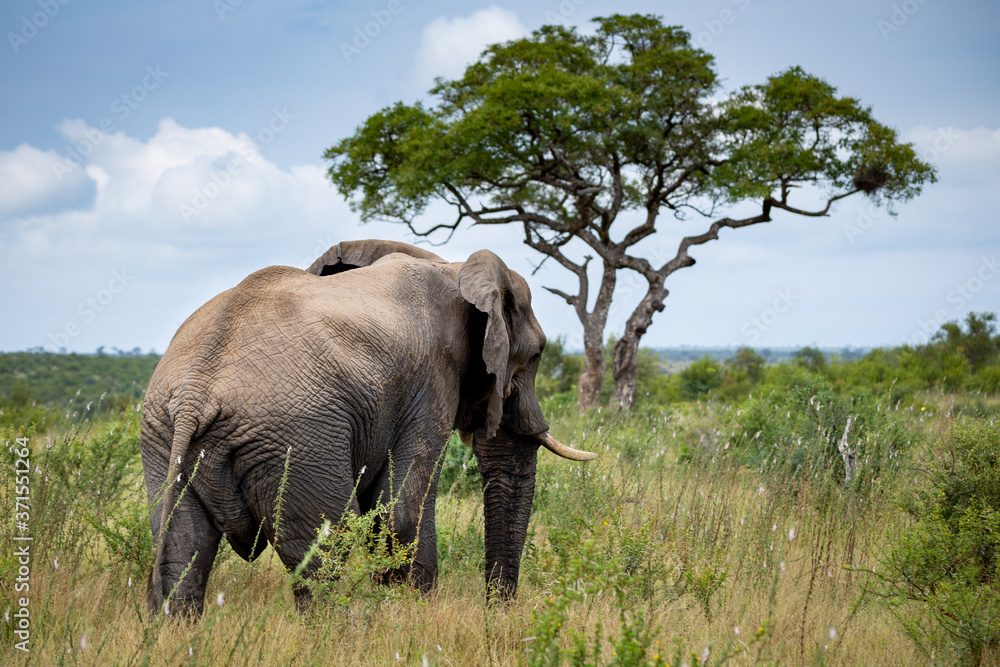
(942, 578)
(796, 431)
(459, 469)
(587, 575)
(21, 409)
(987, 380)
(559, 634)
(743, 372)
(700, 377)
(355, 556)
(558, 371)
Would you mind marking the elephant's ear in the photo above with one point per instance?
(485, 283)
(348, 255)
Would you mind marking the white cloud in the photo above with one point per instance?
(29, 185)
(244, 213)
(449, 45)
(951, 145)
(54, 258)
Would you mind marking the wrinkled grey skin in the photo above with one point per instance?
(378, 351)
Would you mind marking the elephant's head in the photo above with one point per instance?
(499, 412)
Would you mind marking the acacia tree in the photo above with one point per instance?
(563, 133)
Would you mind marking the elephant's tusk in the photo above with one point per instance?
(466, 437)
(564, 450)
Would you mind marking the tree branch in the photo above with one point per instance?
(571, 300)
(815, 214)
(682, 259)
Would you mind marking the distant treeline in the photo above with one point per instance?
(770, 354)
(961, 356)
(72, 381)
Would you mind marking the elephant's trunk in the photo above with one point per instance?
(507, 465)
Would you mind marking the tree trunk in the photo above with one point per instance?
(593, 340)
(594, 368)
(625, 359)
(592, 377)
(625, 369)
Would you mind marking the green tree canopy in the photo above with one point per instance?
(562, 133)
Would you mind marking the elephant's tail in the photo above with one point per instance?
(184, 430)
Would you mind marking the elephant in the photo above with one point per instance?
(317, 384)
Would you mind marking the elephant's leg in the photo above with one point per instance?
(189, 548)
(292, 549)
(409, 488)
(318, 488)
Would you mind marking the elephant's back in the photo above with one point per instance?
(306, 339)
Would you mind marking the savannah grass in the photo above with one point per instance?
(689, 540)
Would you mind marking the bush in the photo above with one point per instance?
(558, 371)
(356, 556)
(587, 575)
(459, 470)
(796, 430)
(987, 380)
(942, 578)
(21, 409)
(700, 377)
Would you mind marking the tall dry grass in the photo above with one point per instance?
(670, 547)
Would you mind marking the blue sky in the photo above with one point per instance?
(119, 119)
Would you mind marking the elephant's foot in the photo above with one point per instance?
(303, 598)
(393, 577)
(418, 576)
